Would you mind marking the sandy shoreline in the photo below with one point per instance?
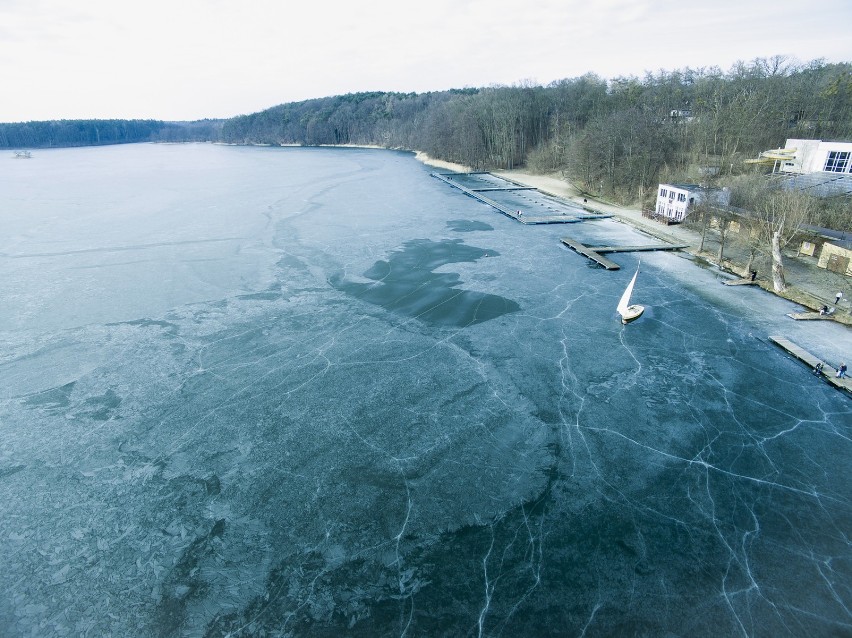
(450, 166)
(552, 184)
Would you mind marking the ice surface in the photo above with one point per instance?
(312, 391)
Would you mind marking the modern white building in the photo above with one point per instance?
(674, 201)
(814, 156)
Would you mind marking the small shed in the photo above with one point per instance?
(836, 257)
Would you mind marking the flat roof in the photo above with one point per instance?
(693, 187)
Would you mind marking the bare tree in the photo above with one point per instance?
(701, 215)
(752, 243)
(724, 220)
(781, 214)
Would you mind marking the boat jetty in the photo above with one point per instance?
(829, 373)
(524, 204)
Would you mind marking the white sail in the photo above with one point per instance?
(627, 311)
(625, 298)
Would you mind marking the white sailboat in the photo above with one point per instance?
(629, 312)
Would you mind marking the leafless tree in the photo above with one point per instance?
(724, 224)
(780, 215)
(751, 237)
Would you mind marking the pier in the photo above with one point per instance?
(567, 213)
(505, 188)
(637, 249)
(808, 316)
(594, 252)
(748, 281)
(829, 373)
(473, 193)
(590, 253)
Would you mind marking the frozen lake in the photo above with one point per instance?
(281, 391)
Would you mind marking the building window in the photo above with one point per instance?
(663, 192)
(681, 197)
(837, 161)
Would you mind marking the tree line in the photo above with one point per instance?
(60, 133)
(615, 138)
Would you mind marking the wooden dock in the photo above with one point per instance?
(514, 213)
(594, 252)
(829, 373)
(637, 249)
(807, 316)
(590, 253)
(557, 219)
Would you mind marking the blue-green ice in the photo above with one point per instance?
(297, 392)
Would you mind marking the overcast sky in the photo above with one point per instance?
(191, 59)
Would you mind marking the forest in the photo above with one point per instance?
(615, 138)
(59, 133)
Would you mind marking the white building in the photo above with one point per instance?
(674, 201)
(814, 156)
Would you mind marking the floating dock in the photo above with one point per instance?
(482, 198)
(590, 253)
(808, 316)
(637, 249)
(513, 211)
(829, 373)
(504, 188)
(594, 252)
